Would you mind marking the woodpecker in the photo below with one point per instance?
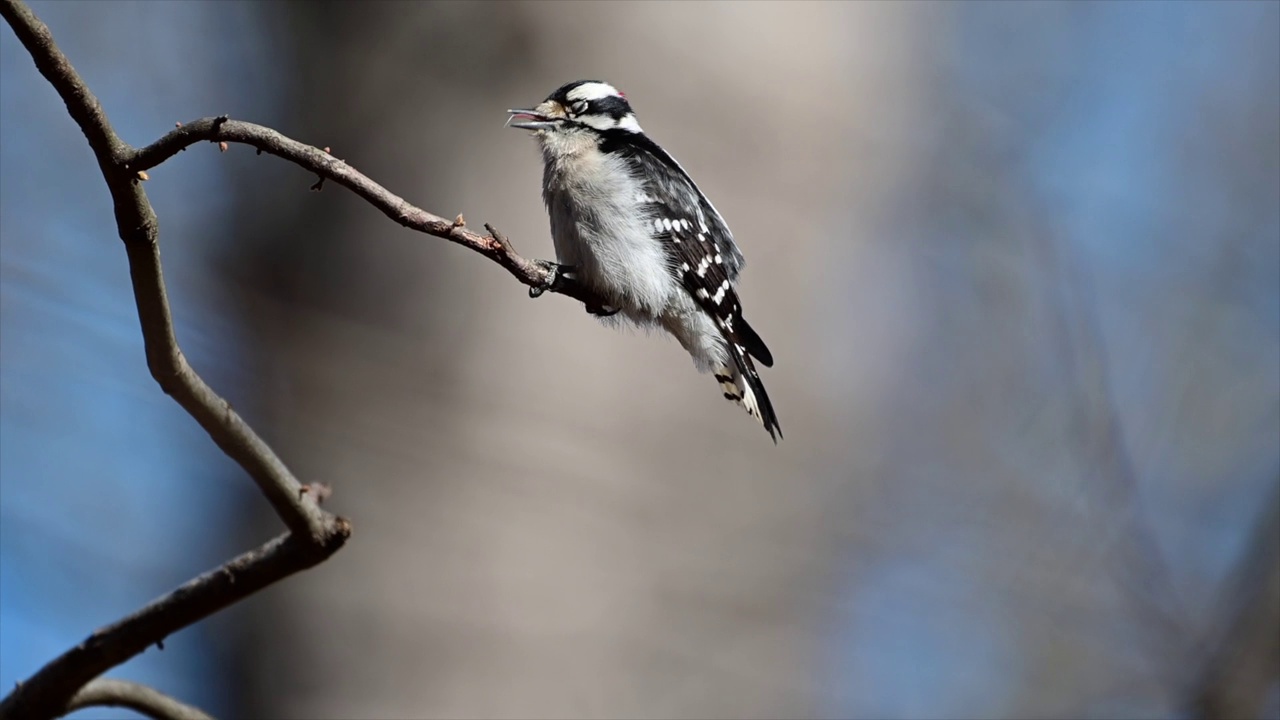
(629, 223)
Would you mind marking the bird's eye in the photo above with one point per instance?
(580, 107)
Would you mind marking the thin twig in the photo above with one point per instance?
(139, 698)
(492, 245)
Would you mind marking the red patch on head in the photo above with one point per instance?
(622, 95)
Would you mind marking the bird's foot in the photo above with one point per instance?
(560, 275)
(602, 311)
(557, 275)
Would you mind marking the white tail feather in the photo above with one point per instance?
(736, 389)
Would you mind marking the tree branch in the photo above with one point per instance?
(56, 68)
(47, 693)
(138, 228)
(139, 698)
(314, 533)
(493, 245)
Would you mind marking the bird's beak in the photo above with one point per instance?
(530, 120)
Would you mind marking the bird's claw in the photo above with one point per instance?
(536, 291)
(602, 311)
(556, 275)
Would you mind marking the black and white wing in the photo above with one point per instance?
(702, 253)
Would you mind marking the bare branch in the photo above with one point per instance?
(136, 697)
(54, 66)
(137, 225)
(48, 691)
(492, 245)
(314, 533)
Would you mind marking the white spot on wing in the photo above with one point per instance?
(702, 267)
(724, 287)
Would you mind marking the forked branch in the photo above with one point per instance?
(314, 534)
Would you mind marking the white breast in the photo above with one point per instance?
(593, 201)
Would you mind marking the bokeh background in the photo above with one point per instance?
(1019, 264)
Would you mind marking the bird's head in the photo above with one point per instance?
(583, 105)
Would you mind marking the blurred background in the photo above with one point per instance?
(1019, 264)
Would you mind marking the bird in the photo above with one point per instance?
(629, 224)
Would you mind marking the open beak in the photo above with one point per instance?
(530, 120)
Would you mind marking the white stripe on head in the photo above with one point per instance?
(599, 122)
(593, 91)
(604, 122)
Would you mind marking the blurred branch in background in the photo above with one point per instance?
(119, 693)
(1098, 436)
(1244, 665)
(314, 533)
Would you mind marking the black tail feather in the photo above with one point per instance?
(752, 342)
(747, 371)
